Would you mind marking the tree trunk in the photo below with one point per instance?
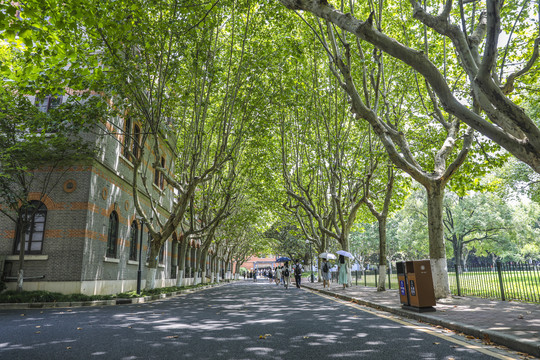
(182, 262)
(237, 271)
(437, 251)
(212, 268)
(195, 266)
(381, 285)
(218, 270)
(150, 278)
(202, 263)
(458, 245)
(228, 274)
(152, 267)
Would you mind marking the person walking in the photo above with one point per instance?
(325, 273)
(342, 269)
(286, 274)
(278, 275)
(298, 273)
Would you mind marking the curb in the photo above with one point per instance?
(118, 301)
(508, 340)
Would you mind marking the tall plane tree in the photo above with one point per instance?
(396, 103)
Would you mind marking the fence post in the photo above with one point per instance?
(357, 277)
(389, 281)
(365, 278)
(500, 280)
(375, 277)
(457, 280)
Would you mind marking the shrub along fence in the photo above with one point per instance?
(502, 281)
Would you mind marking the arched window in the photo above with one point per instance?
(159, 179)
(133, 244)
(32, 222)
(112, 238)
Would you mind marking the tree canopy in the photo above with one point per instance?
(298, 120)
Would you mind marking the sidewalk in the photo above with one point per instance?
(512, 324)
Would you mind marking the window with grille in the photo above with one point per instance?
(159, 178)
(48, 103)
(32, 218)
(112, 238)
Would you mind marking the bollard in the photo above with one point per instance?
(389, 282)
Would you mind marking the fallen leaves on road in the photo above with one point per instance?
(470, 337)
(264, 336)
(487, 340)
(79, 328)
(172, 336)
(68, 347)
(436, 343)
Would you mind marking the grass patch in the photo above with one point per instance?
(517, 285)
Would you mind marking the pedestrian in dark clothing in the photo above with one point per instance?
(298, 273)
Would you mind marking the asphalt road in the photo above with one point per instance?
(244, 320)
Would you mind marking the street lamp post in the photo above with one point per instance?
(139, 270)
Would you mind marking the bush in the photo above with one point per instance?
(128, 295)
(46, 296)
(3, 286)
(13, 296)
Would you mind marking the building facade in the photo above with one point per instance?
(85, 236)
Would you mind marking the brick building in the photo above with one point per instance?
(85, 237)
(255, 263)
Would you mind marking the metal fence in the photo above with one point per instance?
(503, 281)
(371, 277)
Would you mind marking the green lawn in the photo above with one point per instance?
(518, 285)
